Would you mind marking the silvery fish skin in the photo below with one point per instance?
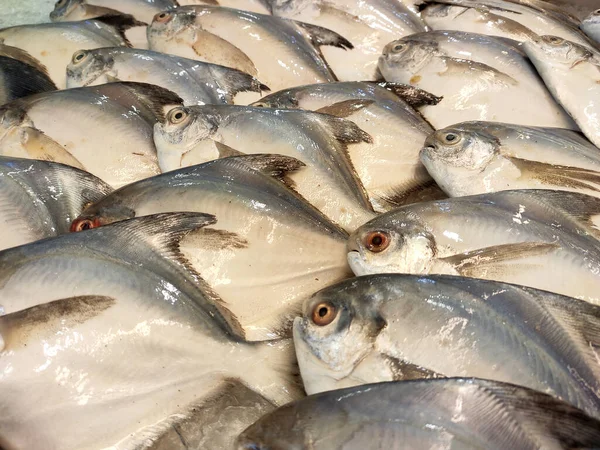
(389, 166)
(39, 199)
(397, 327)
(538, 238)
(369, 26)
(53, 44)
(572, 74)
(144, 10)
(479, 78)
(106, 130)
(258, 6)
(133, 341)
(591, 25)
(197, 83)
(281, 53)
(18, 79)
(478, 157)
(274, 252)
(431, 414)
(194, 135)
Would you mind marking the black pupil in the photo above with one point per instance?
(85, 225)
(162, 16)
(450, 137)
(398, 47)
(323, 311)
(377, 240)
(79, 57)
(178, 115)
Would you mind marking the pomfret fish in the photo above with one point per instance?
(194, 135)
(133, 341)
(389, 166)
(572, 73)
(281, 53)
(272, 249)
(39, 199)
(144, 10)
(18, 79)
(53, 44)
(479, 78)
(478, 157)
(591, 25)
(539, 238)
(446, 414)
(197, 83)
(107, 129)
(397, 327)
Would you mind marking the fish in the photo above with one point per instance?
(142, 10)
(197, 83)
(478, 157)
(391, 327)
(447, 413)
(18, 79)
(514, 19)
(543, 239)
(271, 250)
(591, 25)
(281, 53)
(389, 166)
(197, 134)
(39, 199)
(369, 26)
(479, 77)
(106, 130)
(572, 73)
(53, 44)
(133, 340)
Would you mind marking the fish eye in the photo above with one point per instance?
(323, 314)
(451, 138)
(59, 3)
(84, 224)
(79, 56)
(260, 105)
(597, 12)
(554, 40)
(377, 241)
(163, 17)
(398, 48)
(177, 115)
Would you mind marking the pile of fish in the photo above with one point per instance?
(328, 224)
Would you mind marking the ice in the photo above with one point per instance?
(19, 12)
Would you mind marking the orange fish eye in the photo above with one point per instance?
(84, 224)
(323, 314)
(377, 241)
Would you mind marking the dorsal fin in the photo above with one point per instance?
(414, 96)
(275, 166)
(236, 81)
(24, 57)
(346, 108)
(322, 36)
(120, 23)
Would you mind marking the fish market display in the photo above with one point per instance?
(591, 26)
(388, 165)
(39, 199)
(478, 157)
(537, 238)
(143, 10)
(131, 334)
(398, 327)
(571, 72)
(53, 44)
(197, 83)
(90, 128)
(266, 229)
(453, 413)
(281, 53)
(193, 135)
(479, 78)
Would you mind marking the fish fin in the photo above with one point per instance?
(24, 57)
(404, 370)
(412, 95)
(225, 151)
(235, 81)
(111, 78)
(275, 166)
(322, 36)
(345, 108)
(40, 146)
(42, 321)
(121, 23)
(477, 262)
(328, 9)
(398, 196)
(462, 67)
(95, 11)
(213, 48)
(22, 80)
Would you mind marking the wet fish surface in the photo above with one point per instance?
(143, 10)
(477, 157)
(423, 414)
(398, 327)
(591, 25)
(539, 238)
(479, 77)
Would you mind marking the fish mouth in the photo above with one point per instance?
(356, 263)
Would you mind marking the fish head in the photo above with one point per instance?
(104, 212)
(68, 10)
(335, 338)
(592, 19)
(556, 53)
(184, 130)
(403, 58)
(89, 67)
(167, 25)
(395, 242)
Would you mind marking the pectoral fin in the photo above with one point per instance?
(479, 72)
(346, 108)
(215, 49)
(38, 145)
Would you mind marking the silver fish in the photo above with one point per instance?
(53, 44)
(388, 166)
(197, 83)
(39, 199)
(194, 135)
(368, 25)
(591, 25)
(144, 10)
(572, 73)
(539, 238)
(433, 414)
(105, 129)
(397, 327)
(133, 341)
(479, 78)
(273, 251)
(478, 157)
(281, 53)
